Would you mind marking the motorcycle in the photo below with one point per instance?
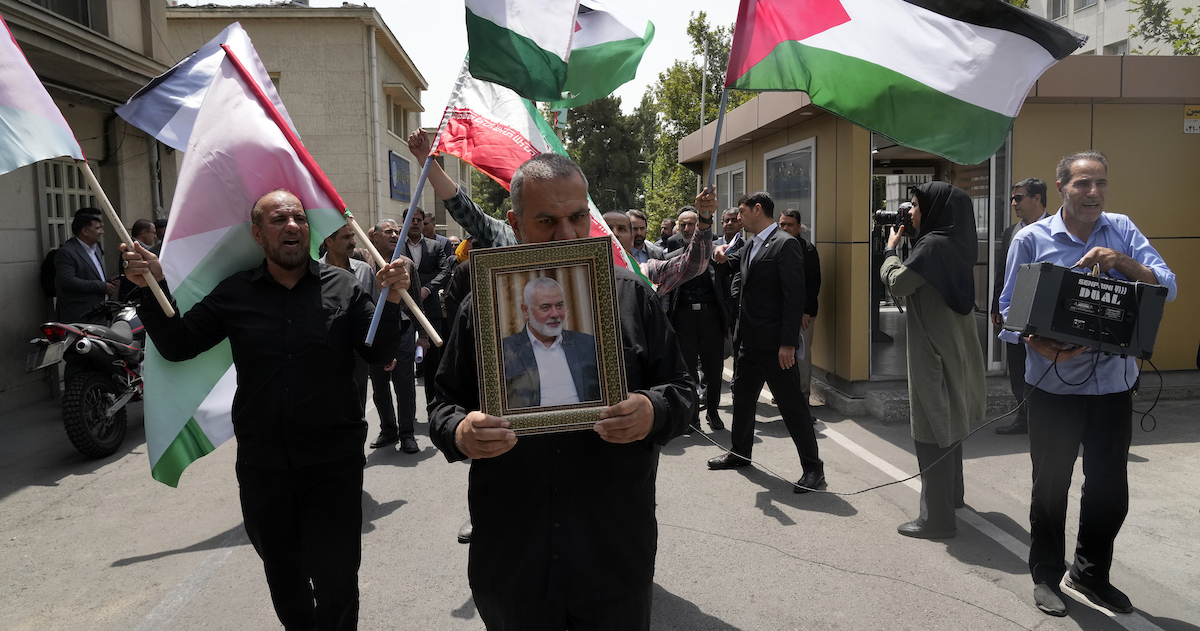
(103, 374)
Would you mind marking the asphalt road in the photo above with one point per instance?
(99, 545)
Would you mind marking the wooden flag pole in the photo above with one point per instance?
(124, 234)
(434, 338)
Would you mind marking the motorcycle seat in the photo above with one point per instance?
(119, 332)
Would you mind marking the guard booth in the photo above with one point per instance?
(1134, 109)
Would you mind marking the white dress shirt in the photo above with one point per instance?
(94, 252)
(558, 387)
(758, 241)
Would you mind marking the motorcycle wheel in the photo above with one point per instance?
(88, 396)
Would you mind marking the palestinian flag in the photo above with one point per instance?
(944, 76)
(495, 130)
(605, 53)
(522, 44)
(31, 126)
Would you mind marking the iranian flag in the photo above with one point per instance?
(495, 130)
(944, 76)
(239, 150)
(31, 126)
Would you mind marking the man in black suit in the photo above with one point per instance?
(770, 286)
(1029, 203)
(544, 363)
(789, 222)
(434, 269)
(429, 231)
(666, 230)
(642, 249)
(699, 311)
(396, 424)
(79, 277)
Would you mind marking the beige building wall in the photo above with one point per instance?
(1152, 165)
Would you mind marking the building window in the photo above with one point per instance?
(78, 11)
(65, 191)
(1119, 48)
(1083, 4)
(1058, 9)
(731, 185)
(790, 174)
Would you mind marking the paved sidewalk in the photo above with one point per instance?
(99, 545)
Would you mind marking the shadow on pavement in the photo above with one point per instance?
(231, 538)
(466, 612)
(670, 612)
(35, 451)
(372, 510)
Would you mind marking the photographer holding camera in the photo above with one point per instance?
(945, 364)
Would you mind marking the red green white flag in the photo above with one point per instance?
(944, 76)
(495, 130)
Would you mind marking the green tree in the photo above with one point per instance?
(677, 104)
(606, 144)
(1157, 23)
(490, 196)
(1021, 4)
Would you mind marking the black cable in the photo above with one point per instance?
(949, 451)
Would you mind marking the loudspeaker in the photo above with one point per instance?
(1108, 314)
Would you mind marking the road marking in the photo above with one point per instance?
(174, 602)
(1131, 621)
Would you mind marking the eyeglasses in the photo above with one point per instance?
(1018, 197)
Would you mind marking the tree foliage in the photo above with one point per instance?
(1158, 24)
(490, 196)
(1020, 4)
(677, 101)
(607, 145)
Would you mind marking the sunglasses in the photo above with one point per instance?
(1018, 197)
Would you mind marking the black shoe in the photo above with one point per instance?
(409, 446)
(383, 440)
(1017, 427)
(810, 481)
(727, 460)
(464, 533)
(715, 423)
(919, 529)
(1104, 595)
(1049, 600)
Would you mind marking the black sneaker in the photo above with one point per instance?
(1104, 595)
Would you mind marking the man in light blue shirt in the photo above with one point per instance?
(1080, 396)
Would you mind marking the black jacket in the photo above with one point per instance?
(435, 269)
(770, 294)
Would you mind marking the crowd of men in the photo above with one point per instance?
(573, 545)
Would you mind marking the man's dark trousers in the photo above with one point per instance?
(1016, 379)
(397, 420)
(752, 368)
(1058, 425)
(701, 335)
(306, 523)
(625, 613)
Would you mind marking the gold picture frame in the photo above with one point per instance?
(574, 312)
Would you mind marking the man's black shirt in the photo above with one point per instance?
(296, 402)
(569, 515)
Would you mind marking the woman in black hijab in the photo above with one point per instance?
(945, 363)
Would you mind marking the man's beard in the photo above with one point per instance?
(289, 259)
(546, 329)
(638, 242)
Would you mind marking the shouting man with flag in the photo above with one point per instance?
(293, 325)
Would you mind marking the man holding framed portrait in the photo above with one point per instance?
(565, 533)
